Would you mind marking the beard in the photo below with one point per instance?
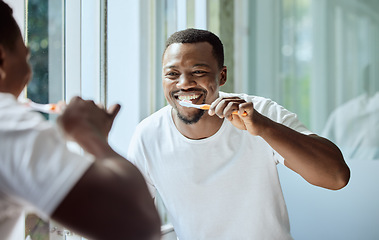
(194, 118)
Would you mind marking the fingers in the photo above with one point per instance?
(75, 99)
(59, 108)
(246, 109)
(100, 105)
(77, 104)
(225, 107)
(114, 110)
(84, 117)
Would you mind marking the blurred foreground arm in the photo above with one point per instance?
(111, 200)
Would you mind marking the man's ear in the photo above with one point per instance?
(2, 55)
(222, 80)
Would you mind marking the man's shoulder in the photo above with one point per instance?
(15, 116)
(150, 130)
(155, 120)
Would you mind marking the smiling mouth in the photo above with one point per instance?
(188, 97)
(195, 96)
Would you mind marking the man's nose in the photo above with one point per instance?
(186, 81)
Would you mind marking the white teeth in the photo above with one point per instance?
(187, 98)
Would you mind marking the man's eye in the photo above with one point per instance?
(172, 74)
(199, 73)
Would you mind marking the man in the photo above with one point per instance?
(356, 143)
(218, 178)
(104, 197)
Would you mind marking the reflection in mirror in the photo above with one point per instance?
(342, 103)
(354, 127)
(353, 123)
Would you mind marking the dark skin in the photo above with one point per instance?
(111, 189)
(191, 71)
(111, 199)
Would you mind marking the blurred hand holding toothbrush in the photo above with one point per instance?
(50, 108)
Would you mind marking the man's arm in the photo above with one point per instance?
(316, 159)
(111, 200)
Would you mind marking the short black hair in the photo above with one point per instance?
(192, 35)
(9, 29)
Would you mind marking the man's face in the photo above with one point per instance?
(191, 72)
(14, 63)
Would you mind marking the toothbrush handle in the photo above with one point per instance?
(243, 114)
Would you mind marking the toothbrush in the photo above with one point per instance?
(50, 108)
(202, 106)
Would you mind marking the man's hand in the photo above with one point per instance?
(253, 121)
(88, 124)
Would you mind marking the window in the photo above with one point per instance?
(44, 37)
(296, 57)
(67, 59)
(346, 76)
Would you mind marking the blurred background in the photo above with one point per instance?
(318, 58)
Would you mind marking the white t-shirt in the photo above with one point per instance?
(37, 170)
(222, 187)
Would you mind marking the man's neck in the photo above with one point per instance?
(204, 128)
